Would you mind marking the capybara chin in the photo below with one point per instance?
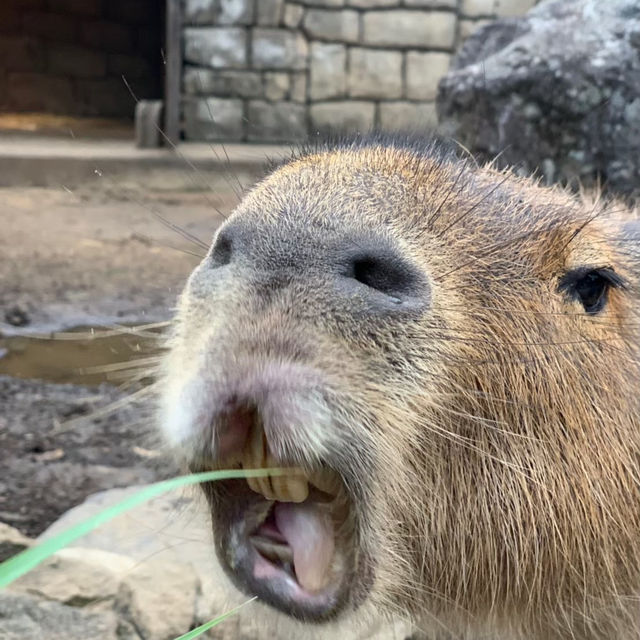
(445, 357)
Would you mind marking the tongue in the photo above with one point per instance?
(309, 532)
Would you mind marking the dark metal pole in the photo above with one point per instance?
(173, 71)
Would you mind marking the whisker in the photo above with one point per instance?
(463, 215)
(157, 243)
(105, 331)
(104, 411)
(224, 149)
(120, 366)
(190, 164)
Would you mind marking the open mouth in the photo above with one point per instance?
(287, 539)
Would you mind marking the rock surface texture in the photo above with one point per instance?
(149, 574)
(557, 91)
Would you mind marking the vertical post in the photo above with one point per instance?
(173, 71)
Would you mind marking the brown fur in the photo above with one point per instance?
(491, 442)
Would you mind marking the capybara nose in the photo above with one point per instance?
(222, 250)
(366, 269)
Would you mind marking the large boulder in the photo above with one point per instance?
(28, 617)
(150, 574)
(557, 91)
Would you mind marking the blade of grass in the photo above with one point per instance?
(23, 562)
(194, 633)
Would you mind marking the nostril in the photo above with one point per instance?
(222, 249)
(373, 273)
(387, 274)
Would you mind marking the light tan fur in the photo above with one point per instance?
(498, 487)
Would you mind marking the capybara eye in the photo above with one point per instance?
(592, 291)
(221, 251)
(591, 286)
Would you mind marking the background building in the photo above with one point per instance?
(244, 70)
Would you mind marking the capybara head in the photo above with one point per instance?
(446, 357)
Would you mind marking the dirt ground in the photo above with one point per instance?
(100, 252)
(91, 256)
(56, 448)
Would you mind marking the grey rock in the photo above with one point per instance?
(150, 530)
(146, 590)
(278, 49)
(276, 85)
(27, 617)
(405, 28)
(299, 86)
(424, 71)
(374, 73)
(560, 85)
(497, 8)
(293, 14)
(408, 116)
(269, 12)
(508, 8)
(323, 3)
(467, 27)
(223, 83)
(161, 556)
(216, 46)
(276, 122)
(433, 4)
(328, 71)
(213, 119)
(373, 4)
(476, 8)
(12, 541)
(351, 116)
(339, 26)
(219, 11)
(76, 576)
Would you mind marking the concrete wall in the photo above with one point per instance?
(68, 56)
(278, 70)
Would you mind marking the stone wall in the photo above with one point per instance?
(68, 56)
(278, 70)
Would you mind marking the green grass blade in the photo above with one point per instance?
(26, 560)
(212, 623)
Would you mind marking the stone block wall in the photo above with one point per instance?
(279, 70)
(68, 56)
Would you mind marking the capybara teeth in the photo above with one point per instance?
(252, 458)
(285, 488)
(290, 488)
(256, 455)
(326, 480)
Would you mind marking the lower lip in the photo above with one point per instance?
(252, 572)
(265, 571)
